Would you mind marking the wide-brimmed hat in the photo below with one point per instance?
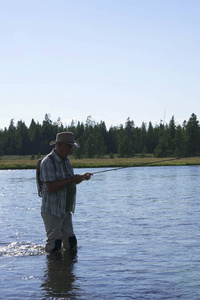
(65, 137)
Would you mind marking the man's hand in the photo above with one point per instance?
(86, 176)
(79, 178)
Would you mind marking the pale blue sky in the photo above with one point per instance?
(109, 59)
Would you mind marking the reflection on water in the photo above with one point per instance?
(59, 277)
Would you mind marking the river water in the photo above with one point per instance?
(138, 232)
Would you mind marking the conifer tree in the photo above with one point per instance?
(193, 136)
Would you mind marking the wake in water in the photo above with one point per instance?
(21, 249)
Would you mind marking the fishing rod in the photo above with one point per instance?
(139, 165)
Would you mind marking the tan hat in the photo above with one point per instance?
(65, 138)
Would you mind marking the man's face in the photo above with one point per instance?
(65, 150)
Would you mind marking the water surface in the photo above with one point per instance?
(137, 230)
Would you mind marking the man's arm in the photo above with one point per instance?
(53, 186)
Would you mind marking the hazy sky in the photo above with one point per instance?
(108, 59)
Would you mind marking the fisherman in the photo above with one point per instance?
(59, 193)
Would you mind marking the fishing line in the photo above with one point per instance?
(139, 165)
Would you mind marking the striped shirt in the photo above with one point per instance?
(63, 200)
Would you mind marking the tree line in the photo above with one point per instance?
(96, 140)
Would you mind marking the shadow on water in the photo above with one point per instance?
(59, 277)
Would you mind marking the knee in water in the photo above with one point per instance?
(72, 241)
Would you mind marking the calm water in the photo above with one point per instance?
(138, 231)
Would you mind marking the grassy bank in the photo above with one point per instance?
(27, 162)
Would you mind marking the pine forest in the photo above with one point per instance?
(161, 140)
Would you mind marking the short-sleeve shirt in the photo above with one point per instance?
(63, 200)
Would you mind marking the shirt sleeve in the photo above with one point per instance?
(48, 172)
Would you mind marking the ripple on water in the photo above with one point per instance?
(21, 249)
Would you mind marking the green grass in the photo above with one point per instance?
(27, 162)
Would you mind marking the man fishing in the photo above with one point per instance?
(59, 193)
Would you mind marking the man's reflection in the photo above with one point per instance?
(59, 278)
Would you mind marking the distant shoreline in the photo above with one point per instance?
(26, 162)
